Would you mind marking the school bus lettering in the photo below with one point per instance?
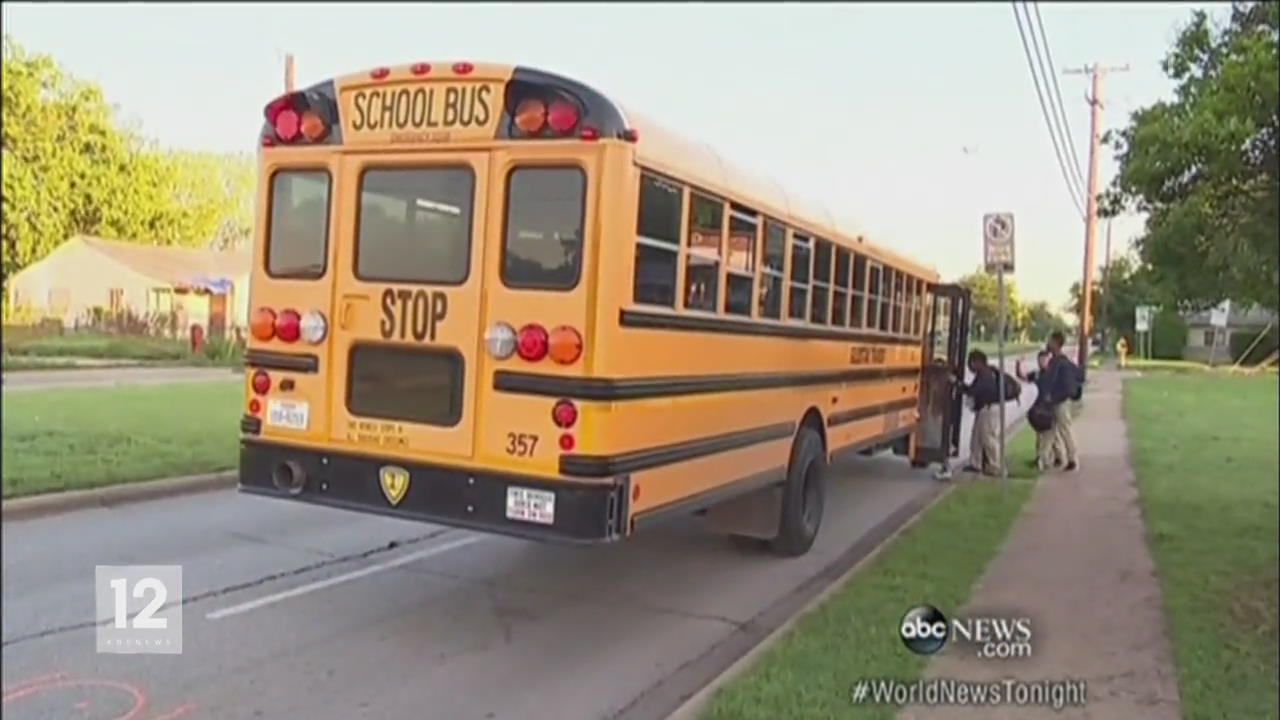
(861, 355)
(422, 108)
(412, 314)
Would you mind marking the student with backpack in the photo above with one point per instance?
(1049, 450)
(984, 392)
(1065, 382)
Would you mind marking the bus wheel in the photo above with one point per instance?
(804, 496)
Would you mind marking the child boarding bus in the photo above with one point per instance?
(487, 297)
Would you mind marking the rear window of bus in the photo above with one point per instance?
(415, 225)
(298, 237)
(542, 247)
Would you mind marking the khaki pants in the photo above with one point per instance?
(1049, 448)
(1062, 430)
(984, 442)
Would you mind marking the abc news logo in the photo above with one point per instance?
(925, 630)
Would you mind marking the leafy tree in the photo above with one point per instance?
(1204, 166)
(69, 167)
(1043, 321)
(985, 314)
(1122, 288)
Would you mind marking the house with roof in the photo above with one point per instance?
(1211, 343)
(88, 275)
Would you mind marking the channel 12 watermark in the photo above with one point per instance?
(925, 630)
(143, 607)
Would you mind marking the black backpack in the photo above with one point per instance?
(1012, 389)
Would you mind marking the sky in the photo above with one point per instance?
(912, 119)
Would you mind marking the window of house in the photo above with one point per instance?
(702, 268)
(858, 294)
(740, 260)
(840, 290)
(657, 242)
(115, 299)
(771, 270)
(801, 259)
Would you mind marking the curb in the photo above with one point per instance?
(879, 538)
(25, 508)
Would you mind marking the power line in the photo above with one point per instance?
(1035, 77)
(1071, 145)
(1055, 104)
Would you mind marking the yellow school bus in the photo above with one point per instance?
(488, 297)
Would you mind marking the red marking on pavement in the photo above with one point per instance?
(33, 681)
(55, 681)
(177, 712)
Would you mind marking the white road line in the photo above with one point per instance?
(338, 579)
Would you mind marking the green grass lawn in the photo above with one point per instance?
(854, 634)
(1204, 450)
(73, 438)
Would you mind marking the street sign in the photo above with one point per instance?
(1142, 318)
(1218, 315)
(997, 241)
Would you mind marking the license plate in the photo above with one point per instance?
(290, 414)
(531, 505)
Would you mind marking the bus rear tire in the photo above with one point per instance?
(803, 497)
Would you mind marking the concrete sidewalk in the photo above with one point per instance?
(1076, 562)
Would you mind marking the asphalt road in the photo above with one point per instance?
(292, 611)
(19, 380)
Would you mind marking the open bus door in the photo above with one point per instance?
(941, 400)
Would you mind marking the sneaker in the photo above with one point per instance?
(1057, 463)
(970, 469)
(1072, 466)
(1039, 466)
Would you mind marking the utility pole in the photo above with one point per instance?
(288, 73)
(1106, 288)
(1094, 98)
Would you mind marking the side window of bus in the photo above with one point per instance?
(913, 306)
(840, 289)
(702, 271)
(415, 225)
(298, 238)
(801, 252)
(896, 320)
(543, 244)
(821, 281)
(857, 307)
(873, 296)
(886, 297)
(657, 242)
(740, 260)
(775, 249)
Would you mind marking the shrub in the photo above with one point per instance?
(1168, 335)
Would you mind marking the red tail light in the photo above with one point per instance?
(562, 117)
(590, 133)
(255, 406)
(379, 73)
(420, 68)
(567, 443)
(564, 414)
(261, 382)
(263, 324)
(288, 125)
(463, 68)
(289, 325)
(532, 342)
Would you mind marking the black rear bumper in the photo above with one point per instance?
(584, 512)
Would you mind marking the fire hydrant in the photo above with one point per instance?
(197, 338)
